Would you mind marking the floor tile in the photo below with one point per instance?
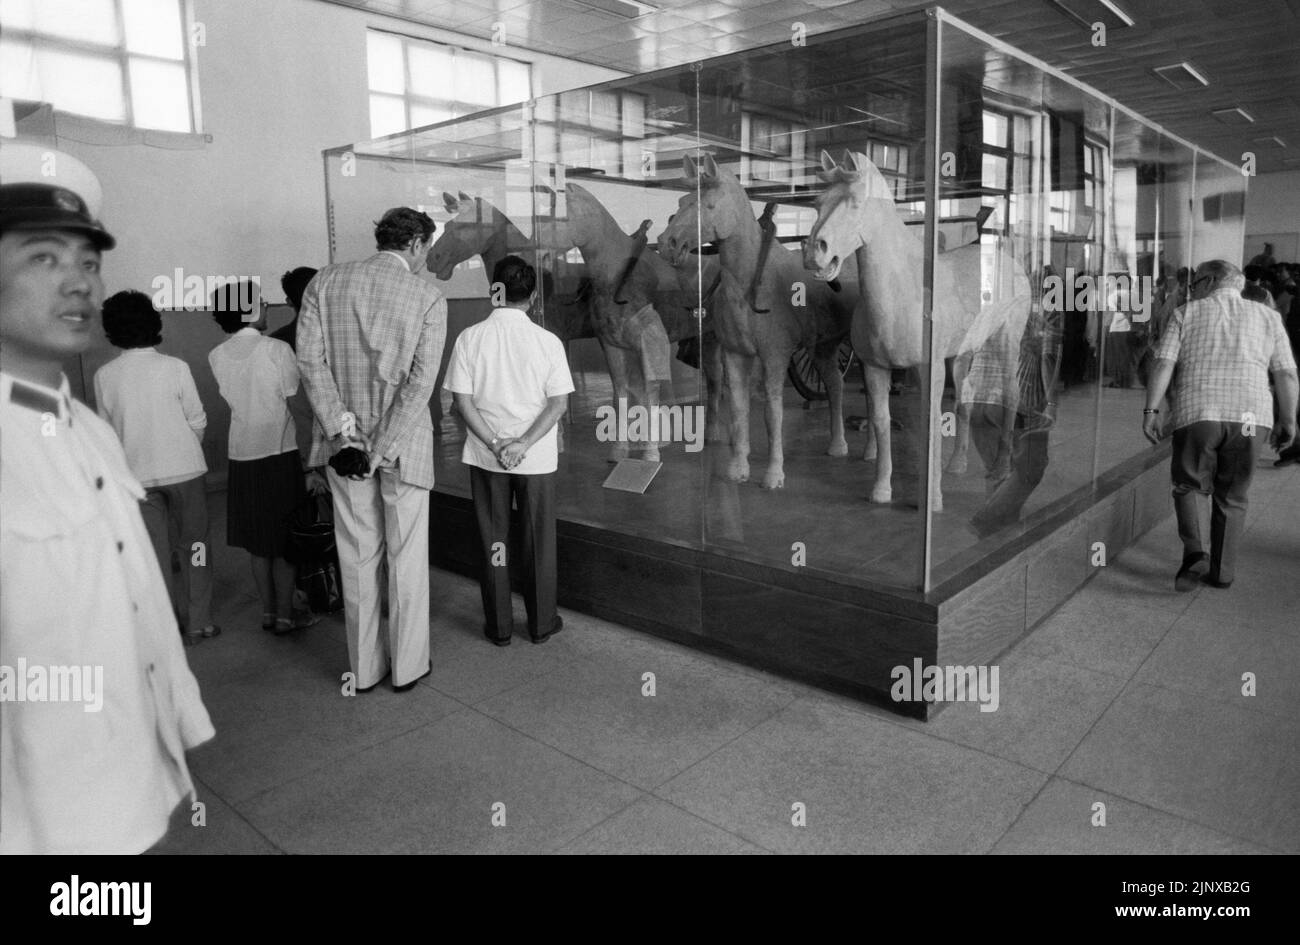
(655, 827)
(1232, 768)
(867, 786)
(435, 790)
(1063, 819)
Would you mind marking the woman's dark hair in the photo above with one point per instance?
(235, 305)
(294, 282)
(518, 278)
(131, 321)
(399, 226)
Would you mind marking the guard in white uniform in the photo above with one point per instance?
(97, 702)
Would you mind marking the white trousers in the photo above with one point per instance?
(376, 517)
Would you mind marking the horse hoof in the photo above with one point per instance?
(869, 453)
(957, 465)
(774, 481)
(650, 456)
(839, 448)
(882, 496)
(738, 473)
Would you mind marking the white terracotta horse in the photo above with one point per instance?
(762, 321)
(857, 217)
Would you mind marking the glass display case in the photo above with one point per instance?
(875, 307)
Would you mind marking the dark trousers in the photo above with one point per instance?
(535, 497)
(1029, 457)
(1216, 459)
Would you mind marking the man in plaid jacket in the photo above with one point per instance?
(370, 340)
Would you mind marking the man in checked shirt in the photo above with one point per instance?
(1214, 359)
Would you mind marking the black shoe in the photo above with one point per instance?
(556, 626)
(1215, 582)
(496, 641)
(1194, 568)
(1286, 458)
(407, 687)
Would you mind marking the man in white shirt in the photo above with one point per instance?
(97, 703)
(151, 401)
(511, 381)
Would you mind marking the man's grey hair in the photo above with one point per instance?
(1224, 274)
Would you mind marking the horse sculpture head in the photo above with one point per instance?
(713, 211)
(474, 228)
(856, 196)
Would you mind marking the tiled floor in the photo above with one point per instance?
(1129, 696)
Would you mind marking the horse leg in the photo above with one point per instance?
(774, 415)
(617, 360)
(826, 365)
(711, 362)
(737, 374)
(878, 395)
(958, 463)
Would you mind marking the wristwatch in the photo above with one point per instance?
(493, 444)
(1147, 410)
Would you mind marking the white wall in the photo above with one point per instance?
(1273, 209)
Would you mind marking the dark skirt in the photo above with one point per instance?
(261, 495)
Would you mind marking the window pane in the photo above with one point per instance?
(428, 114)
(384, 65)
(387, 115)
(86, 85)
(995, 129)
(515, 84)
(154, 27)
(91, 20)
(18, 75)
(17, 14)
(431, 71)
(995, 172)
(476, 80)
(160, 95)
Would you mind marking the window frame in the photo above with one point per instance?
(123, 56)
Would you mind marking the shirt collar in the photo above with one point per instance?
(37, 397)
(510, 311)
(399, 257)
(149, 350)
(246, 332)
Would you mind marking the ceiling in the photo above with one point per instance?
(1249, 50)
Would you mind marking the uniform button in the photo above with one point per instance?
(99, 482)
(119, 546)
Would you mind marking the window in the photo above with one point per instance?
(124, 61)
(415, 82)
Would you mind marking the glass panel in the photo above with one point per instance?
(995, 129)
(387, 115)
(516, 81)
(160, 95)
(476, 81)
(384, 65)
(17, 14)
(19, 77)
(86, 85)
(429, 114)
(432, 75)
(153, 27)
(93, 21)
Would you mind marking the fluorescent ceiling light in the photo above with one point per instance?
(1088, 12)
(631, 9)
(1233, 116)
(1183, 76)
(1270, 141)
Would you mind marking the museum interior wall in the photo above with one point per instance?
(1273, 215)
(278, 83)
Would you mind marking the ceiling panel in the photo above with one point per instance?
(1249, 49)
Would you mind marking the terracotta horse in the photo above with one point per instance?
(759, 317)
(639, 304)
(857, 219)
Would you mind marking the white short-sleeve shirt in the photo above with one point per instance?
(257, 376)
(509, 366)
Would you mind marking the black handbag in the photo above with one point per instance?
(313, 550)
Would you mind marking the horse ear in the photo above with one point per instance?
(850, 161)
(828, 162)
(710, 168)
(688, 167)
(858, 160)
(466, 197)
(450, 203)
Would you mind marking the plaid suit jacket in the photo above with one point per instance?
(370, 338)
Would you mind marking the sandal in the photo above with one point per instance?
(300, 621)
(268, 621)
